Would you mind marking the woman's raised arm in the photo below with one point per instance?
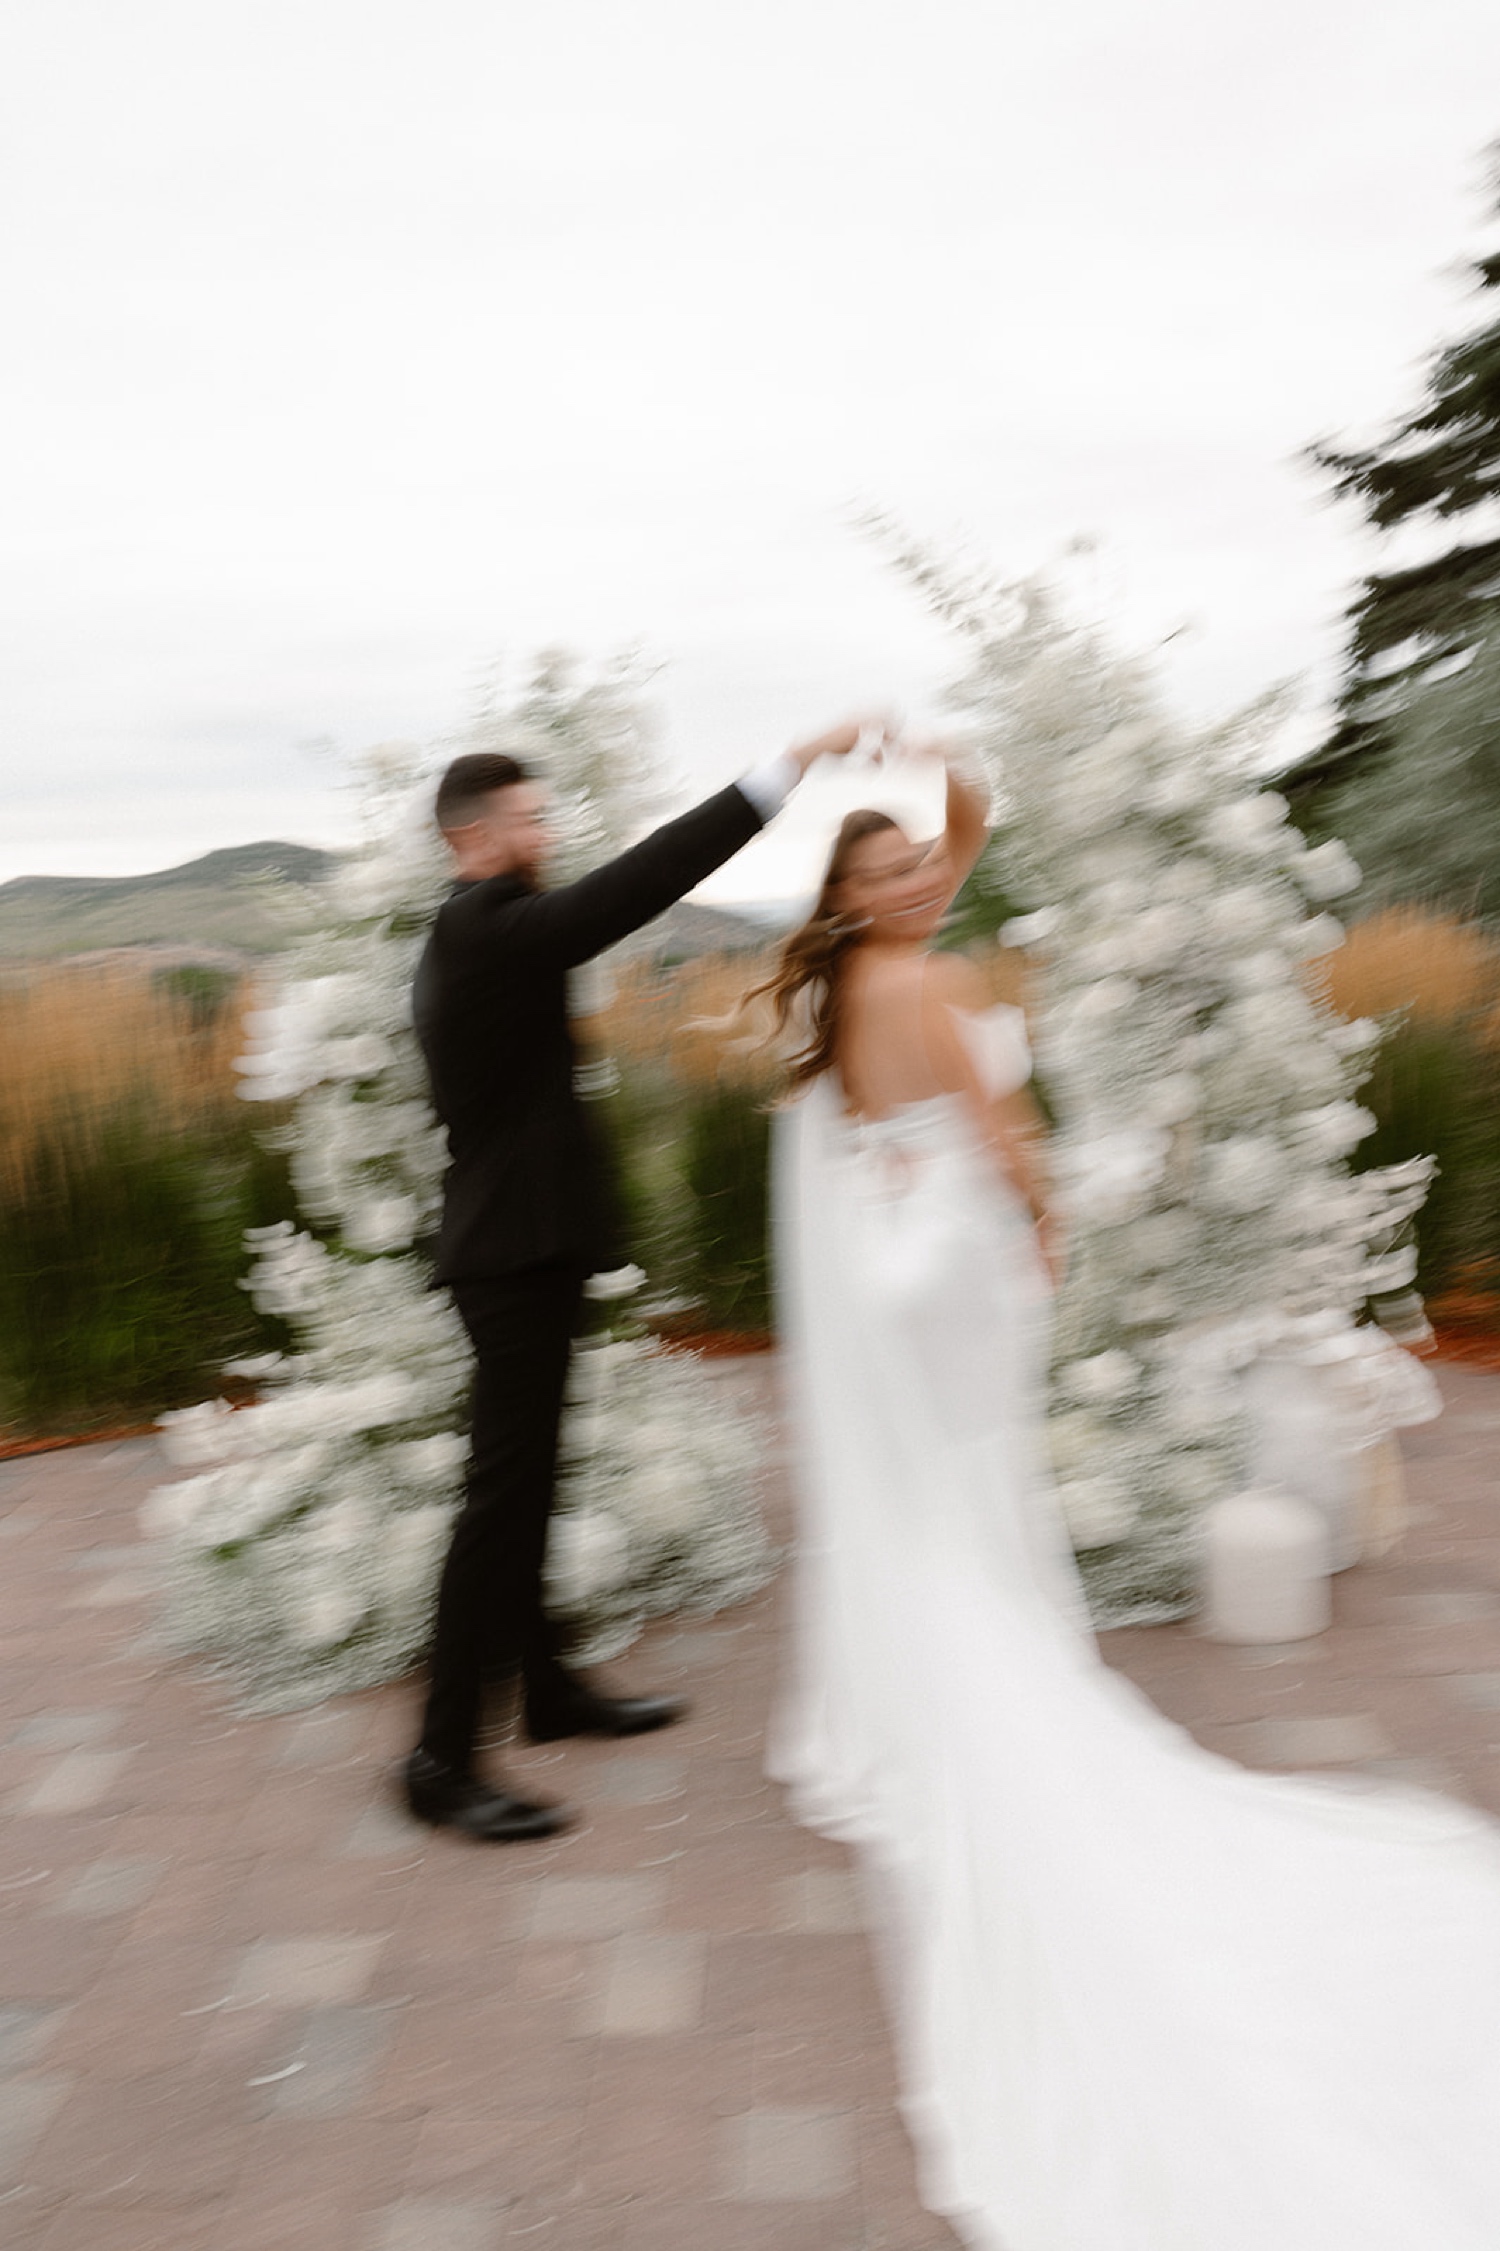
(966, 812)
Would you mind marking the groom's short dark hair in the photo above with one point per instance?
(469, 780)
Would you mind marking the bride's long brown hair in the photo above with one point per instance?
(811, 958)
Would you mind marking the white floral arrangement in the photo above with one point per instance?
(647, 1520)
(1204, 1092)
(302, 1557)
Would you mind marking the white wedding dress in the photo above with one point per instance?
(1142, 1998)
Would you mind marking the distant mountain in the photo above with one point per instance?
(687, 930)
(217, 903)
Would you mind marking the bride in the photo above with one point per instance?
(1143, 1999)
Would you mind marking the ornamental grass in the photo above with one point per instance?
(128, 1173)
(1434, 981)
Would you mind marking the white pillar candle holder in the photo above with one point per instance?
(1266, 1565)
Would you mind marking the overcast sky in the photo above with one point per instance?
(355, 346)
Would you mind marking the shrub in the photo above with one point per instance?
(1435, 1091)
(1435, 1088)
(725, 1154)
(128, 1174)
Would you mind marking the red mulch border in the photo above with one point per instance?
(1471, 1338)
(713, 1344)
(11, 1449)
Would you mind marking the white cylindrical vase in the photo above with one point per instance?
(1304, 1441)
(1266, 1565)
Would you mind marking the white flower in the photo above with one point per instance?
(1319, 935)
(287, 1039)
(1106, 998)
(619, 1281)
(381, 1223)
(587, 1430)
(324, 1612)
(1030, 929)
(1244, 912)
(1098, 1510)
(413, 1544)
(1107, 1177)
(1160, 1237)
(1328, 870)
(170, 1510)
(1151, 1306)
(1155, 938)
(195, 1434)
(664, 1496)
(587, 1551)
(1258, 972)
(1173, 1099)
(651, 1440)
(1103, 1377)
(288, 1277)
(1335, 1128)
(1128, 743)
(1098, 785)
(1244, 1173)
(1186, 876)
(1250, 824)
(616, 1356)
(1274, 1016)
(1179, 788)
(1195, 1411)
(1195, 1480)
(362, 1057)
(1074, 1440)
(1354, 1036)
(341, 1529)
(431, 1461)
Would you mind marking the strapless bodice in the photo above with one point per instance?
(996, 1039)
(1001, 1053)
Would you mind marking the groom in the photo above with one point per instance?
(527, 1217)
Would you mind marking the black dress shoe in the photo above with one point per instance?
(584, 1711)
(446, 1799)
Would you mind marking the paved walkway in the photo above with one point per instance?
(246, 2007)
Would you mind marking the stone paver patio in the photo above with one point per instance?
(245, 2006)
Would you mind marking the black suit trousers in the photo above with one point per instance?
(490, 1617)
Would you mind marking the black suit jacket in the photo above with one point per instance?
(528, 1178)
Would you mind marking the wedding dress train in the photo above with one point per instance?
(1142, 1998)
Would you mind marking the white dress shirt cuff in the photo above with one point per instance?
(770, 784)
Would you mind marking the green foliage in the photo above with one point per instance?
(1435, 1091)
(725, 1161)
(120, 1259)
(641, 1127)
(693, 1173)
(1438, 468)
(1423, 820)
(203, 991)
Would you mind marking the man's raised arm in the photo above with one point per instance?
(578, 920)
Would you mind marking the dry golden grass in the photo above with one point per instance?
(1439, 968)
(685, 1020)
(689, 1022)
(83, 1045)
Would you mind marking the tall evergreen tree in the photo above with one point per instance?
(1438, 467)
